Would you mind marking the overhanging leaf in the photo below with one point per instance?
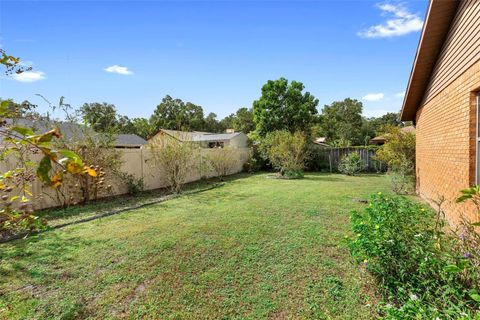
(475, 296)
(44, 168)
(71, 156)
(74, 168)
(451, 269)
(23, 131)
(57, 179)
(91, 172)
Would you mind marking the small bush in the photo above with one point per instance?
(286, 151)
(398, 149)
(468, 231)
(398, 153)
(134, 185)
(176, 160)
(351, 164)
(420, 273)
(251, 165)
(402, 183)
(293, 174)
(223, 161)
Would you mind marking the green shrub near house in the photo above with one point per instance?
(287, 152)
(351, 164)
(420, 273)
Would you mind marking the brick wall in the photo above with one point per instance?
(446, 144)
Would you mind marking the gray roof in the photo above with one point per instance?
(129, 140)
(183, 135)
(198, 136)
(217, 136)
(73, 130)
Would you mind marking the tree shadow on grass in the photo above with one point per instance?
(323, 177)
(27, 257)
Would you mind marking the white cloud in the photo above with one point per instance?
(118, 69)
(400, 94)
(400, 22)
(373, 97)
(29, 76)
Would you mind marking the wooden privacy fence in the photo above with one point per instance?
(328, 159)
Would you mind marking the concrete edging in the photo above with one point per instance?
(111, 213)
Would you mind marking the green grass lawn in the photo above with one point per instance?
(255, 248)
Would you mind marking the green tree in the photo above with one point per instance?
(24, 109)
(286, 151)
(175, 114)
(390, 118)
(102, 117)
(241, 121)
(342, 120)
(228, 121)
(398, 153)
(212, 124)
(193, 117)
(284, 106)
(165, 115)
(398, 150)
(142, 127)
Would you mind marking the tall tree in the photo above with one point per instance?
(212, 124)
(166, 115)
(25, 109)
(388, 119)
(228, 121)
(342, 120)
(102, 117)
(241, 121)
(142, 127)
(175, 114)
(193, 117)
(284, 106)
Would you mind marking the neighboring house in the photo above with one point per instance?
(129, 141)
(76, 131)
(380, 140)
(442, 101)
(203, 139)
(321, 141)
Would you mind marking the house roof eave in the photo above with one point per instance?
(437, 24)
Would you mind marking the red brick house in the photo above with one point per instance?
(442, 101)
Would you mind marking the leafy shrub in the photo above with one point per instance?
(287, 152)
(318, 159)
(351, 164)
(176, 160)
(402, 180)
(134, 185)
(251, 165)
(27, 155)
(223, 161)
(419, 271)
(92, 148)
(398, 153)
(467, 233)
(399, 148)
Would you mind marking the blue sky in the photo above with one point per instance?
(216, 54)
